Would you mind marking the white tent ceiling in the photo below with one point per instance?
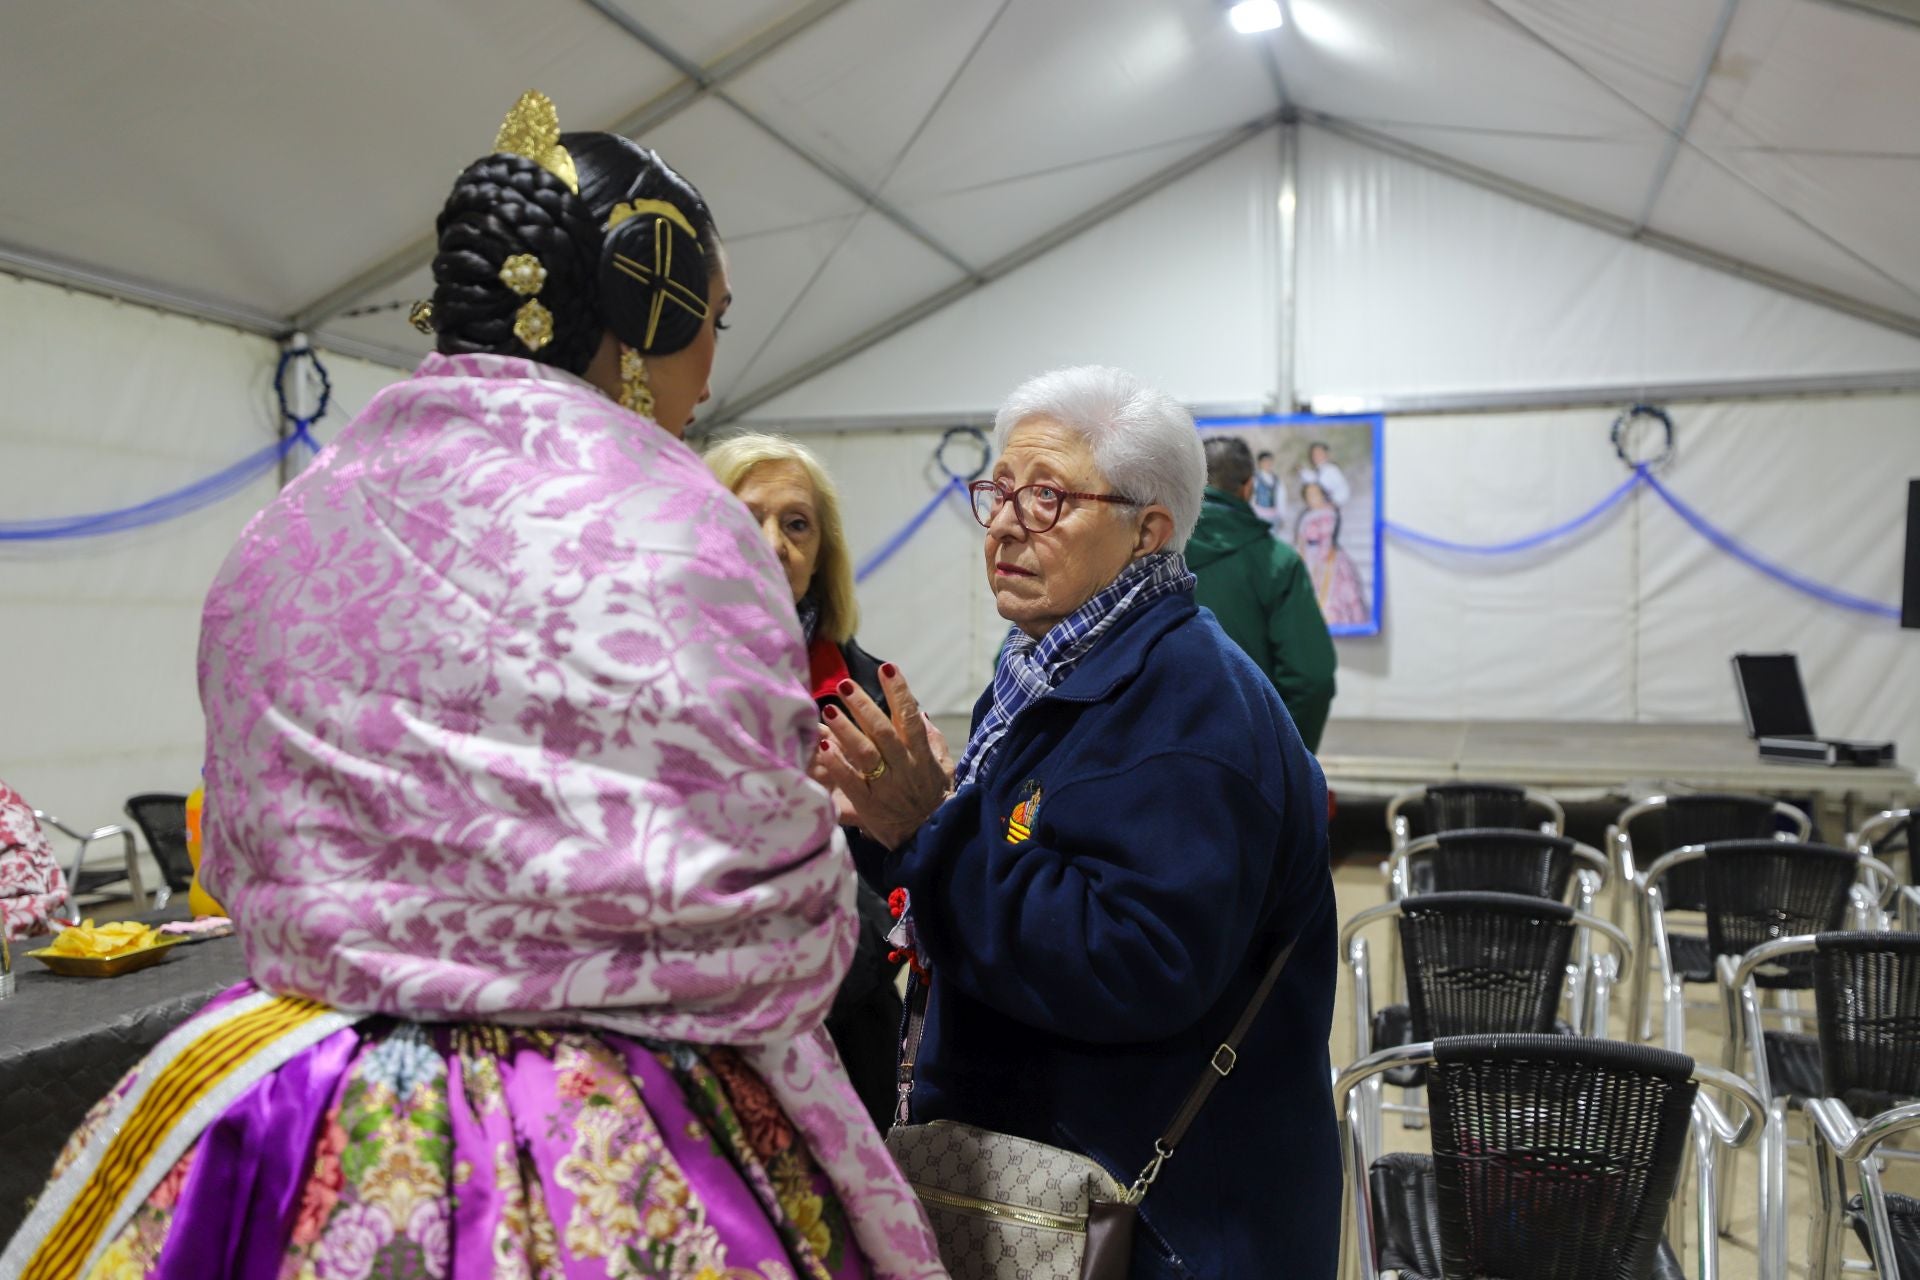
(269, 163)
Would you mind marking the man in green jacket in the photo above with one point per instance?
(1257, 586)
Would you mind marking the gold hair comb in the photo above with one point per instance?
(532, 131)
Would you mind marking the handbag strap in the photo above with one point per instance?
(1218, 1068)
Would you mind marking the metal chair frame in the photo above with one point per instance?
(1710, 1127)
(1877, 828)
(1630, 897)
(1841, 1140)
(1868, 910)
(1588, 1000)
(135, 886)
(1835, 1139)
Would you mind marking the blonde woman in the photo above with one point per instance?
(793, 500)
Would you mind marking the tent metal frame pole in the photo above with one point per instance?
(52, 269)
(28, 264)
(1289, 290)
(656, 111)
(1886, 318)
(995, 270)
(1677, 136)
(1544, 399)
(1892, 382)
(867, 196)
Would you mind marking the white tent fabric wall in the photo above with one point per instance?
(1414, 282)
(1182, 288)
(109, 405)
(1636, 619)
(1633, 619)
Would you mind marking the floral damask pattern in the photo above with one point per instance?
(537, 1155)
(506, 714)
(31, 882)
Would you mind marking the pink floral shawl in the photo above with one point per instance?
(31, 884)
(506, 720)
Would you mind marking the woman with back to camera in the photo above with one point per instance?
(1134, 839)
(506, 735)
(793, 500)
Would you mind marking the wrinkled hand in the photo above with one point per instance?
(892, 773)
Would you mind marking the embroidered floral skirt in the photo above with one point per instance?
(398, 1149)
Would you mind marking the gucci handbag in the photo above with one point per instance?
(1007, 1208)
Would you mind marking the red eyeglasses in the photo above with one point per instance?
(1036, 506)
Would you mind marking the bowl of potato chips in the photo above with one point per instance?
(89, 950)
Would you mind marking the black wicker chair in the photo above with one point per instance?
(162, 819)
(1453, 806)
(1475, 963)
(1495, 860)
(1553, 1156)
(1660, 825)
(1859, 1070)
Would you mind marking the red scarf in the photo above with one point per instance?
(826, 668)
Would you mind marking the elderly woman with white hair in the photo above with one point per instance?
(1135, 836)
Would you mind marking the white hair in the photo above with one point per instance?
(1143, 441)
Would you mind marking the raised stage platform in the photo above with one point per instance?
(1376, 758)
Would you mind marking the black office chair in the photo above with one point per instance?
(1553, 1156)
(162, 819)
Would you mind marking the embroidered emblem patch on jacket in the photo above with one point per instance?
(1026, 814)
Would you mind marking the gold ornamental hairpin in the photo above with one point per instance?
(532, 132)
(532, 323)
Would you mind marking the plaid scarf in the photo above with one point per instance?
(809, 610)
(1031, 668)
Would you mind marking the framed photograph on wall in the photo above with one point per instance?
(1317, 482)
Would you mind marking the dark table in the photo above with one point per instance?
(64, 1042)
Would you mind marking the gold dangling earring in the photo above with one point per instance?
(635, 393)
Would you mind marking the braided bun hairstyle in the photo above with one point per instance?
(677, 254)
(503, 205)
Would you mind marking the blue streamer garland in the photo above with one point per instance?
(1642, 475)
(201, 493)
(905, 534)
(1529, 542)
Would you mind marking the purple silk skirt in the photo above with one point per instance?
(472, 1151)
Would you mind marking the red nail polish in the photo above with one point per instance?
(846, 689)
(831, 713)
(823, 744)
(888, 670)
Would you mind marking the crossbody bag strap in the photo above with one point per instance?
(916, 1026)
(1218, 1069)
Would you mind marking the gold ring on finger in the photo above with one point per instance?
(876, 773)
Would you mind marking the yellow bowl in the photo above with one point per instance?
(105, 966)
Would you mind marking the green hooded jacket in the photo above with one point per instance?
(1257, 586)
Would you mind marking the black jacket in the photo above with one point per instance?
(866, 1015)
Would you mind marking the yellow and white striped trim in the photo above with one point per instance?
(185, 1083)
